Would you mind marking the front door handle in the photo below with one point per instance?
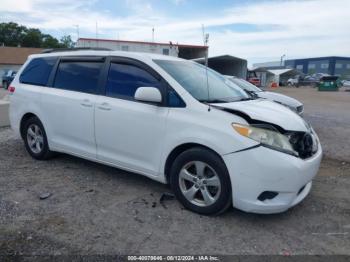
(105, 106)
(86, 103)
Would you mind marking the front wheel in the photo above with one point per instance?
(200, 181)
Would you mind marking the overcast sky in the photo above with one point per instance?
(255, 30)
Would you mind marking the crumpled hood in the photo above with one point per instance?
(268, 111)
(289, 101)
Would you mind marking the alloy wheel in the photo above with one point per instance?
(199, 183)
(35, 138)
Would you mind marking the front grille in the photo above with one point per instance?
(304, 143)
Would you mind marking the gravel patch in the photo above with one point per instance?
(96, 209)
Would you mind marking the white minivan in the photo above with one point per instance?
(168, 119)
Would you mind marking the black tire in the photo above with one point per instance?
(5, 85)
(210, 158)
(45, 152)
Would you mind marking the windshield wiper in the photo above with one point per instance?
(252, 94)
(244, 99)
(213, 101)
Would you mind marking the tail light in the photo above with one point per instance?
(11, 89)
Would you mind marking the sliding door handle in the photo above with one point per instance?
(86, 103)
(104, 106)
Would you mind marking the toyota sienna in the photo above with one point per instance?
(171, 120)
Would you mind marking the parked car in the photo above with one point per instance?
(293, 81)
(253, 78)
(308, 80)
(254, 81)
(345, 83)
(256, 92)
(168, 119)
(8, 78)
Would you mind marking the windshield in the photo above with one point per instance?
(192, 77)
(245, 85)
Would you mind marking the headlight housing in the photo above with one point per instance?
(266, 137)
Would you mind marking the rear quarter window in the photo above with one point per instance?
(38, 70)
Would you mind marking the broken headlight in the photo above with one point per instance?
(266, 137)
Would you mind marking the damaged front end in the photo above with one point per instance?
(302, 144)
(305, 143)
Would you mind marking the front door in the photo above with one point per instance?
(129, 133)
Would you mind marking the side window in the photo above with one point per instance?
(78, 76)
(124, 79)
(38, 70)
(174, 100)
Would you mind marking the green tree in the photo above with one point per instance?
(67, 42)
(49, 41)
(32, 38)
(11, 34)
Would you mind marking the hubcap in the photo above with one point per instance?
(199, 183)
(35, 138)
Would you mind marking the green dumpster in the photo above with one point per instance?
(328, 83)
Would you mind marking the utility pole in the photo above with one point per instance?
(153, 34)
(96, 34)
(76, 43)
(77, 27)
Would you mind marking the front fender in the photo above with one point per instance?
(211, 129)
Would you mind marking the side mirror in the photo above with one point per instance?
(148, 94)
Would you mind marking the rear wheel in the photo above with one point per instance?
(35, 139)
(5, 85)
(201, 182)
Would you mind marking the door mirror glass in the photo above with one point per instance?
(148, 94)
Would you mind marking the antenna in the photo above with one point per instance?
(283, 56)
(205, 42)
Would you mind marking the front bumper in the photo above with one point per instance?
(261, 169)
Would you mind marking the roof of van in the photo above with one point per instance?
(137, 55)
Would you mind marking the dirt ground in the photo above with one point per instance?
(96, 209)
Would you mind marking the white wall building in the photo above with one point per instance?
(177, 50)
